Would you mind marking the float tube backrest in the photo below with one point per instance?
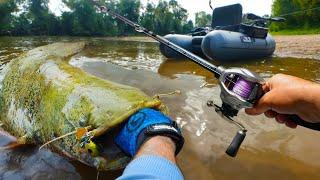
(227, 15)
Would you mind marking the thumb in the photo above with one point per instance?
(262, 106)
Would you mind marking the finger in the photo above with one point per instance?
(291, 124)
(281, 119)
(284, 119)
(271, 114)
(266, 87)
(263, 105)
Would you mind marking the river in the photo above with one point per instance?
(270, 151)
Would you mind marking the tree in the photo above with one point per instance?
(169, 17)
(148, 17)
(163, 17)
(131, 10)
(187, 28)
(20, 25)
(41, 19)
(179, 17)
(203, 19)
(298, 14)
(6, 8)
(85, 19)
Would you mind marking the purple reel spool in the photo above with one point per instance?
(243, 88)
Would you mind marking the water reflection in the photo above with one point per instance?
(304, 68)
(145, 55)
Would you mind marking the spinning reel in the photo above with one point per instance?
(240, 88)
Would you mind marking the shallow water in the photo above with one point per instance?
(269, 151)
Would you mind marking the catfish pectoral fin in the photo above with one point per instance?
(7, 135)
(12, 145)
(15, 143)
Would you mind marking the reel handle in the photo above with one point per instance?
(296, 119)
(236, 143)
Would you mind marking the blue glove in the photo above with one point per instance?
(145, 124)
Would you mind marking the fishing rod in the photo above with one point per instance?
(240, 88)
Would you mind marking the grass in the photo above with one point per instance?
(296, 32)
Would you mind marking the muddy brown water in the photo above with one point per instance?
(270, 150)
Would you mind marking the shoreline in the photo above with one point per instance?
(294, 46)
(298, 46)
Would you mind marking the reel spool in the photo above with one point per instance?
(240, 88)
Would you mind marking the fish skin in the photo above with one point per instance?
(42, 97)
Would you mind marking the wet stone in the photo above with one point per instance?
(46, 164)
(13, 175)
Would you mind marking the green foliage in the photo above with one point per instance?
(203, 19)
(297, 31)
(131, 10)
(42, 21)
(166, 17)
(148, 17)
(188, 27)
(6, 8)
(299, 14)
(85, 19)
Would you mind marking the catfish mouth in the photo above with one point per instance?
(105, 153)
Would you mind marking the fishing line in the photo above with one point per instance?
(282, 15)
(210, 4)
(297, 12)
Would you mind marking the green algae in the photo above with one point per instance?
(43, 97)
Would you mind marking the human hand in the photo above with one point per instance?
(287, 95)
(145, 124)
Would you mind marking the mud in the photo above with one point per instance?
(302, 46)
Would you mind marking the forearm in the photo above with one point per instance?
(158, 146)
(154, 160)
(310, 105)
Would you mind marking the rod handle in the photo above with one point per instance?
(236, 143)
(296, 119)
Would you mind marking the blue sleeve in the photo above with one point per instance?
(151, 167)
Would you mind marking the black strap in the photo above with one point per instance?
(169, 130)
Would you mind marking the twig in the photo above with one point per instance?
(98, 173)
(168, 94)
(61, 137)
(10, 146)
(206, 84)
(56, 139)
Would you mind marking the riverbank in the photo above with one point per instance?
(295, 46)
(296, 32)
(298, 46)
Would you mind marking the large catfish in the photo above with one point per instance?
(44, 99)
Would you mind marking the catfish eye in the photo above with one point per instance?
(90, 151)
(92, 148)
